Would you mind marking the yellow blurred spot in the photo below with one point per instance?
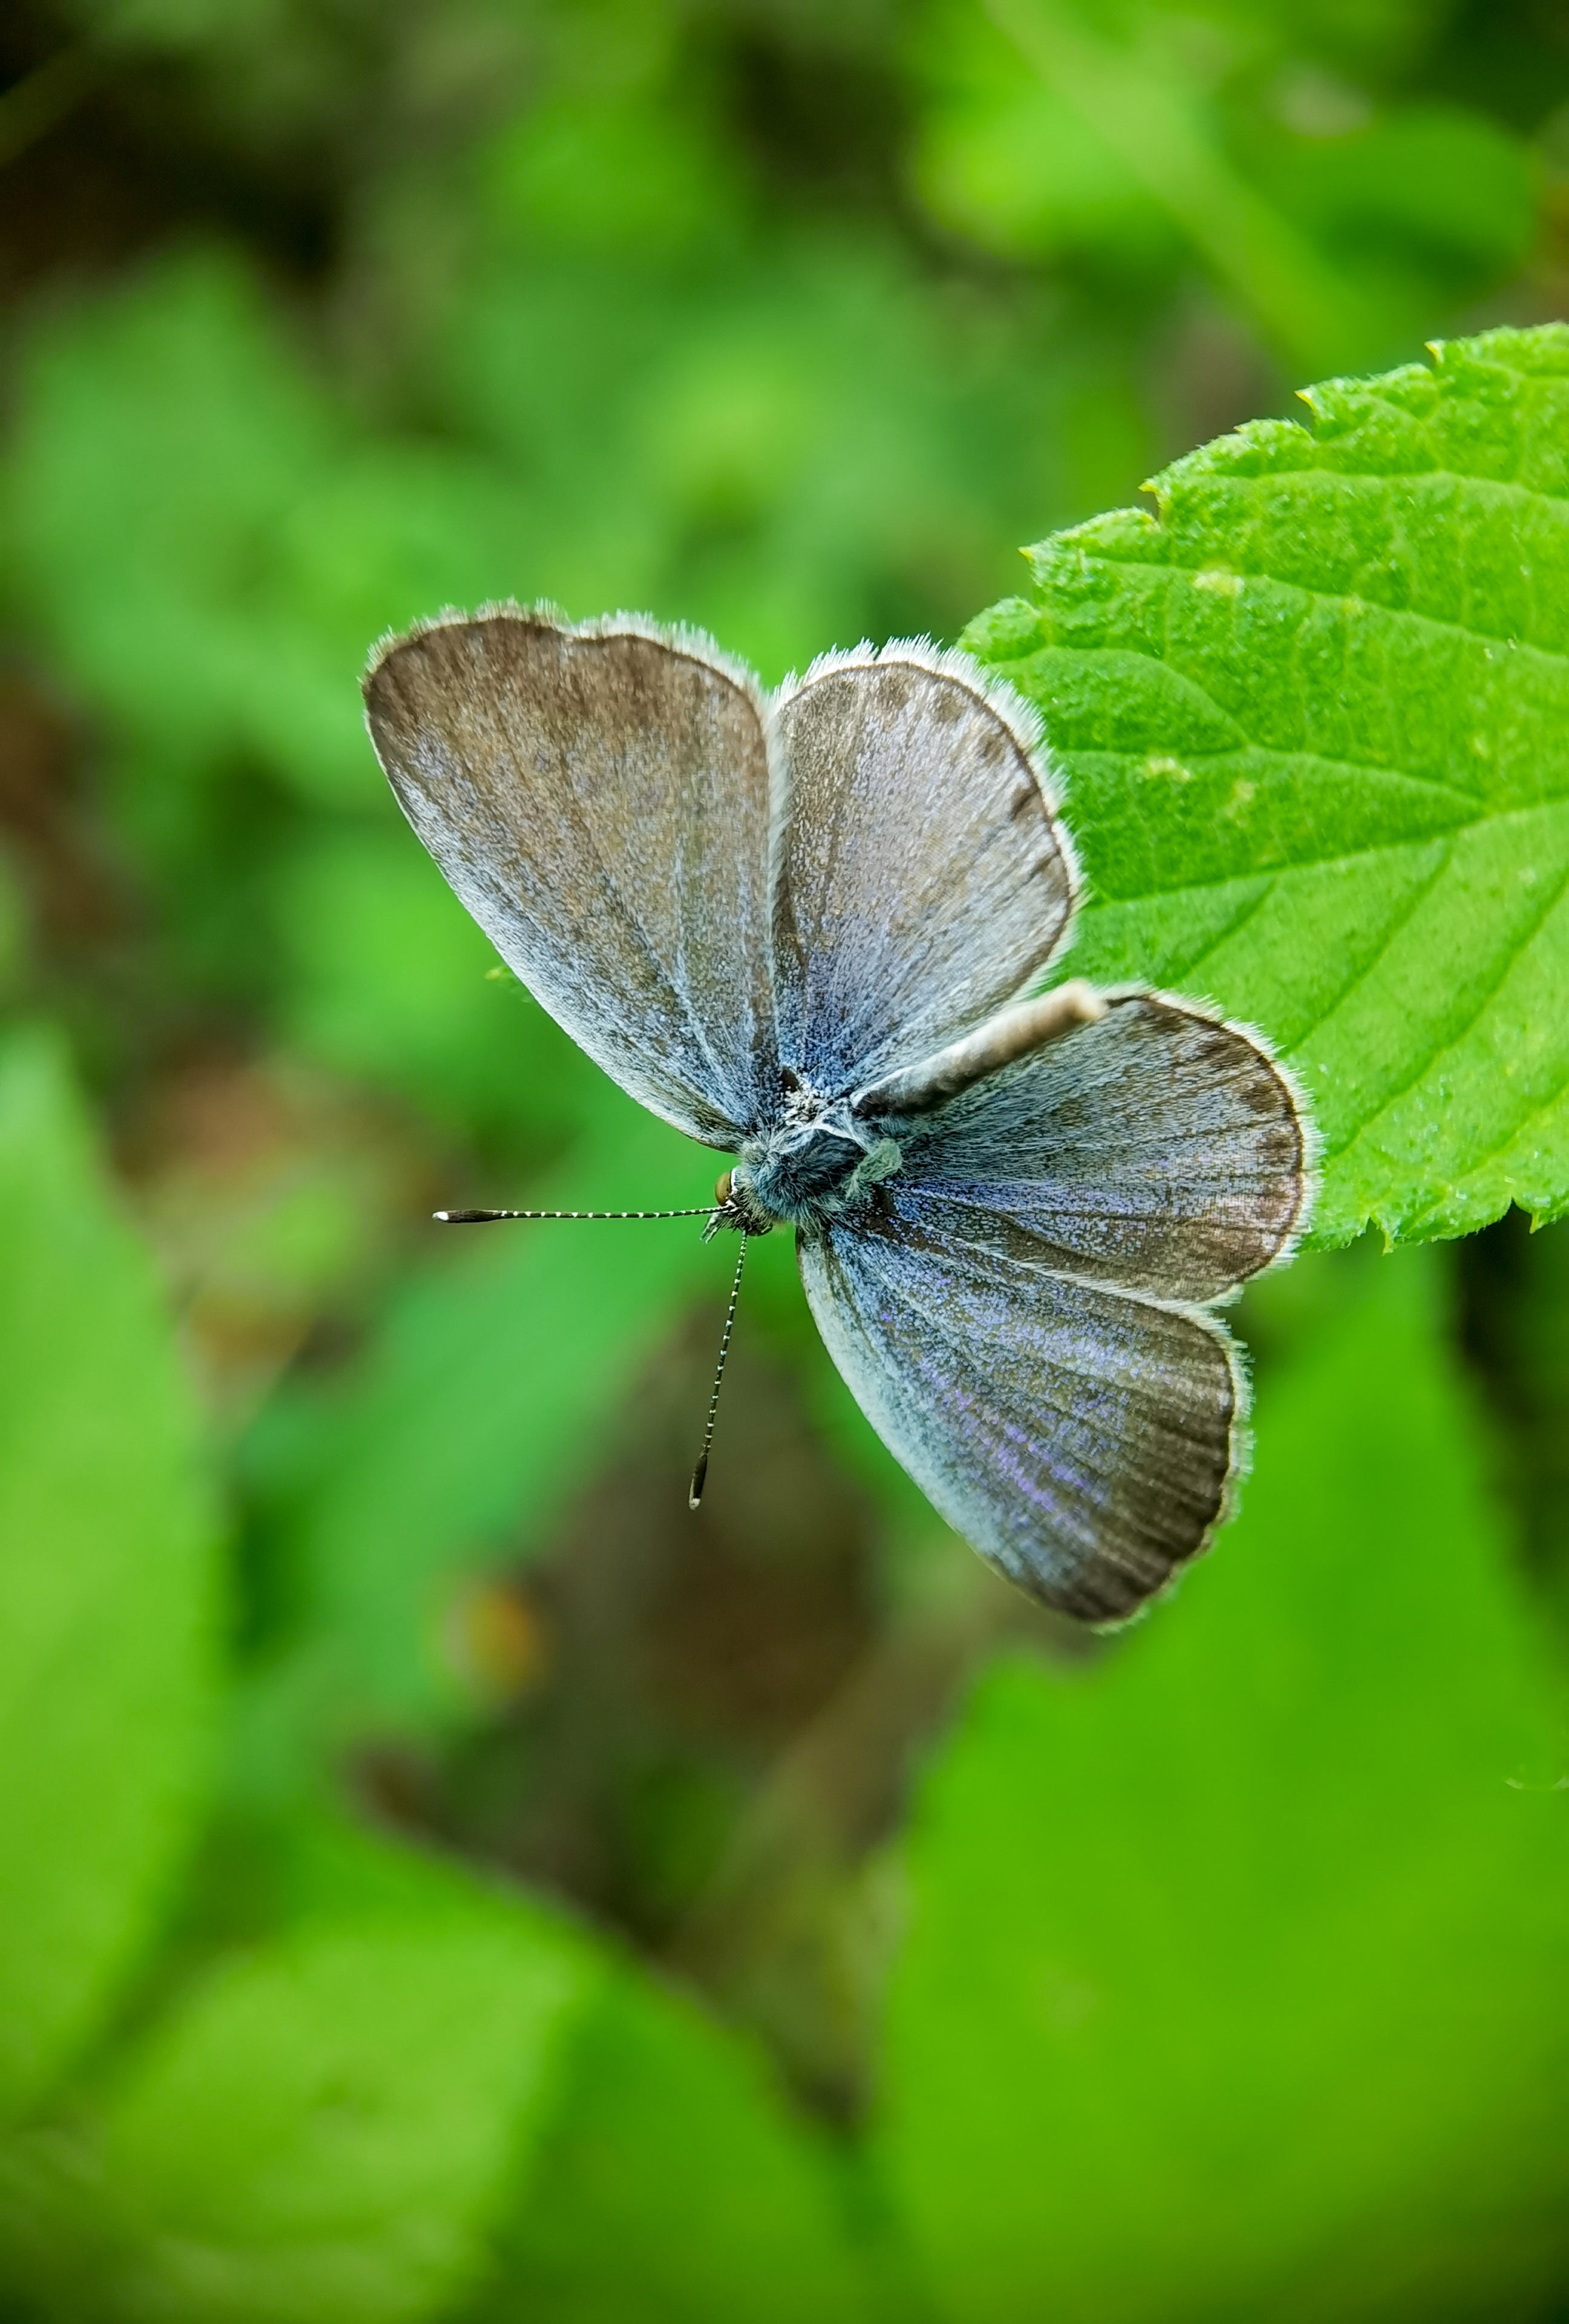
(495, 1639)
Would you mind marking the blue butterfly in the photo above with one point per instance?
(798, 926)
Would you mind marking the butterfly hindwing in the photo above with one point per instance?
(600, 799)
(1082, 1440)
(1160, 1149)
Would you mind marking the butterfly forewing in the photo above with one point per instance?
(599, 800)
(922, 876)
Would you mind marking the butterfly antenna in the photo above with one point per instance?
(483, 1218)
(700, 1473)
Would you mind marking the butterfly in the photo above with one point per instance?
(799, 926)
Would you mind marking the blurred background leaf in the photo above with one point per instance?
(676, 2185)
(108, 1588)
(322, 2128)
(1255, 1937)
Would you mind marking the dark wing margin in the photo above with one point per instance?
(1161, 1150)
(599, 799)
(921, 875)
(1085, 1441)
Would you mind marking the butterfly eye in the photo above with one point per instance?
(788, 1078)
(722, 1188)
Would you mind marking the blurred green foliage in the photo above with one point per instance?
(383, 1744)
(1315, 1915)
(110, 1568)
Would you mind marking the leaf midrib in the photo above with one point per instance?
(1098, 900)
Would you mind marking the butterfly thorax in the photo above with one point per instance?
(816, 1163)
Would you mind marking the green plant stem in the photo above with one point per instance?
(1309, 314)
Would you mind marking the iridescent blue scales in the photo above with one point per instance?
(799, 926)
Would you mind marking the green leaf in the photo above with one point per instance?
(1428, 187)
(1233, 1979)
(676, 2187)
(1313, 718)
(390, 986)
(620, 171)
(1138, 94)
(327, 2127)
(108, 1596)
(1002, 156)
(424, 2096)
(211, 545)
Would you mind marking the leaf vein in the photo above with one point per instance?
(1553, 806)
(1514, 952)
(1359, 976)
(1434, 622)
(1490, 1153)
(1248, 912)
